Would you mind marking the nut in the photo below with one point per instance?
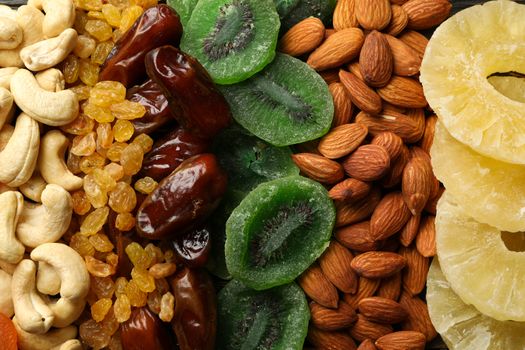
(47, 280)
(418, 317)
(332, 320)
(364, 329)
(375, 60)
(409, 340)
(11, 34)
(335, 264)
(350, 213)
(318, 167)
(342, 140)
(382, 310)
(367, 163)
(378, 264)
(357, 237)
(349, 190)
(318, 287)
(6, 106)
(367, 288)
(343, 108)
(5, 76)
(398, 22)
(330, 340)
(415, 272)
(390, 287)
(403, 92)
(60, 15)
(303, 37)
(361, 95)
(404, 126)
(373, 14)
(341, 47)
(426, 238)
(344, 15)
(415, 40)
(50, 108)
(390, 216)
(391, 142)
(417, 183)
(409, 232)
(11, 204)
(55, 337)
(33, 188)
(51, 80)
(406, 60)
(6, 301)
(425, 14)
(72, 344)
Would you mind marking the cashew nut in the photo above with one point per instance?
(6, 11)
(51, 108)
(34, 187)
(11, 205)
(31, 310)
(51, 161)
(73, 344)
(60, 15)
(6, 301)
(74, 278)
(85, 46)
(30, 20)
(10, 33)
(6, 105)
(47, 279)
(7, 267)
(53, 338)
(5, 76)
(51, 80)
(20, 155)
(50, 52)
(46, 222)
(5, 135)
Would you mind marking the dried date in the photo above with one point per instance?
(144, 330)
(193, 247)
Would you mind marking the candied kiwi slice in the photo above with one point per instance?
(322, 9)
(284, 7)
(274, 319)
(287, 103)
(232, 39)
(277, 231)
(250, 161)
(184, 8)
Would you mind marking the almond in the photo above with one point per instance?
(315, 284)
(350, 213)
(375, 60)
(328, 33)
(398, 22)
(365, 329)
(387, 108)
(332, 319)
(398, 2)
(406, 60)
(355, 69)
(428, 136)
(402, 340)
(343, 107)
(391, 142)
(367, 344)
(404, 92)
(342, 140)
(417, 183)
(344, 15)
(378, 264)
(335, 264)
(432, 202)
(330, 76)
(367, 288)
(367, 163)
(415, 40)
(395, 174)
(415, 273)
(303, 37)
(390, 287)
(330, 340)
(382, 310)
(373, 14)
(357, 237)
(425, 14)
(404, 126)
(426, 238)
(418, 317)
(349, 191)
(338, 49)
(361, 95)
(409, 232)
(390, 215)
(318, 167)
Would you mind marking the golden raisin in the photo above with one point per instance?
(100, 309)
(125, 222)
(104, 135)
(128, 110)
(115, 151)
(131, 159)
(104, 180)
(90, 5)
(82, 125)
(84, 145)
(144, 280)
(80, 19)
(100, 114)
(73, 163)
(120, 286)
(97, 197)
(88, 164)
(122, 199)
(136, 297)
(123, 130)
(162, 270)
(106, 93)
(167, 304)
(146, 185)
(144, 141)
(99, 29)
(98, 268)
(81, 244)
(122, 308)
(115, 171)
(129, 16)
(82, 91)
(154, 301)
(70, 69)
(111, 14)
(103, 287)
(85, 46)
(154, 252)
(138, 256)
(81, 203)
(101, 243)
(88, 72)
(95, 15)
(94, 221)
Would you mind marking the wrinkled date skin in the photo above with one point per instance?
(144, 330)
(171, 150)
(183, 200)
(194, 99)
(157, 26)
(195, 319)
(193, 247)
(157, 112)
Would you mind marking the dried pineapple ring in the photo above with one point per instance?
(480, 268)
(461, 326)
(490, 191)
(462, 53)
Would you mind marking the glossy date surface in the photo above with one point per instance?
(184, 199)
(157, 26)
(194, 99)
(193, 247)
(144, 330)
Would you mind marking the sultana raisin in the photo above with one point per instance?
(104, 180)
(144, 141)
(128, 110)
(82, 91)
(144, 280)
(115, 171)
(155, 253)
(98, 268)
(94, 334)
(91, 163)
(82, 125)
(162, 270)
(115, 343)
(122, 308)
(101, 243)
(94, 221)
(102, 51)
(90, 5)
(115, 151)
(138, 256)
(88, 72)
(81, 244)
(125, 222)
(103, 287)
(123, 130)
(146, 185)
(129, 16)
(120, 286)
(84, 145)
(81, 205)
(131, 159)
(167, 303)
(70, 69)
(122, 198)
(100, 309)
(111, 14)
(154, 301)
(106, 93)
(95, 15)
(110, 322)
(99, 29)
(85, 46)
(104, 135)
(97, 197)
(100, 114)
(136, 297)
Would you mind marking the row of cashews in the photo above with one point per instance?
(43, 283)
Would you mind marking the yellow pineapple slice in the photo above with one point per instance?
(480, 268)
(510, 86)
(461, 326)
(490, 191)
(465, 50)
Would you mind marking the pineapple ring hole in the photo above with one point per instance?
(514, 241)
(509, 84)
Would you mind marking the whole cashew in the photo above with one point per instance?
(6, 105)
(73, 344)
(5, 76)
(60, 15)
(5, 135)
(31, 310)
(51, 161)
(6, 301)
(50, 52)
(51, 79)
(6, 11)
(11, 205)
(35, 3)
(74, 279)
(34, 187)
(30, 20)
(53, 338)
(7, 267)
(46, 222)
(47, 279)
(20, 155)
(51, 108)
(11, 34)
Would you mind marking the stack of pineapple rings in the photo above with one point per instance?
(476, 293)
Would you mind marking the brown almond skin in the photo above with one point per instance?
(398, 22)
(405, 126)
(367, 344)
(350, 213)
(332, 319)
(375, 60)
(330, 340)
(343, 107)
(382, 310)
(367, 288)
(418, 318)
(403, 92)
(415, 272)
(344, 15)
(426, 238)
(350, 191)
(335, 264)
(342, 140)
(425, 14)
(428, 136)
(394, 176)
(409, 232)
(357, 237)
(373, 14)
(406, 60)
(364, 329)
(402, 340)
(315, 284)
(391, 142)
(390, 216)
(367, 163)
(415, 40)
(303, 37)
(339, 48)
(417, 183)
(319, 168)
(361, 95)
(390, 287)
(378, 264)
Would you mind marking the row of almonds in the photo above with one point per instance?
(367, 287)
